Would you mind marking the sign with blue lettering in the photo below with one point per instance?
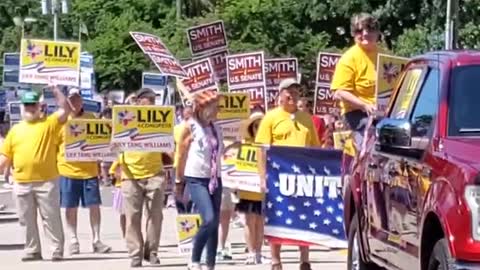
(87, 73)
(14, 111)
(304, 201)
(3, 99)
(158, 83)
(93, 106)
(11, 67)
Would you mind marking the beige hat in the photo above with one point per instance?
(73, 92)
(245, 124)
(286, 83)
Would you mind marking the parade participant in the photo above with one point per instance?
(304, 106)
(79, 183)
(31, 147)
(250, 203)
(286, 126)
(355, 75)
(199, 167)
(143, 181)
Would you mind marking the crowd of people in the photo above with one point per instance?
(44, 181)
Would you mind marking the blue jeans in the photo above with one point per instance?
(208, 205)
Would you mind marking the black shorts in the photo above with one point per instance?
(249, 207)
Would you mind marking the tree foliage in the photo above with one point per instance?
(280, 28)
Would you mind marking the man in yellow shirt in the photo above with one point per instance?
(286, 126)
(143, 180)
(31, 148)
(79, 183)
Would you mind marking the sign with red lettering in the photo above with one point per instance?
(324, 102)
(256, 95)
(200, 77)
(207, 38)
(168, 65)
(277, 70)
(219, 64)
(244, 70)
(150, 43)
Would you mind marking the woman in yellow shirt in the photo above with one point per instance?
(250, 203)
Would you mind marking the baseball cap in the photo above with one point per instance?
(30, 97)
(73, 91)
(286, 83)
(145, 92)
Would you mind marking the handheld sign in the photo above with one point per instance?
(143, 128)
(240, 168)
(324, 103)
(276, 70)
(219, 64)
(207, 38)
(187, 227)
(88, 140)
(200, 77)
(389, 69)
(233, 107)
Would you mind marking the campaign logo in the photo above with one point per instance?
(390, 72)
(125, 117)
(33, 50)
(75, 130)
(186, 226)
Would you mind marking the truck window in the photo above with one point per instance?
(463, 99)
(426, 105)
(406, 92)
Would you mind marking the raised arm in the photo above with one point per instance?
(63, 107)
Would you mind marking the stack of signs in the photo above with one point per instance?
(277, 70)
(153, 47)
(12, 88)
(87, 76)
(143, 128)
(209, 41)
(389, 69)
(233, 108)
(324, 102)
(14, 112)
(200, 78)
(88, 140)
(158, 83)
(246, 74)
(45, 61)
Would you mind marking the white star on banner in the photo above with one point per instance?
(295, 168)
(320, 200)
(288, 221)
(275, 165)
(340, 206)
(291, 208)
(327, 221)
(330, 209)
(339, 219)
(335, 231)
(279, 199)
(313, 225)
(326, 170)
(302, 217)
(279, 213)
(317, 213)
(276, 184)
(307, 204)
(269, 205)
(266, 219)
(312, 170)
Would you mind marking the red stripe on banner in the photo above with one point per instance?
(288, 242)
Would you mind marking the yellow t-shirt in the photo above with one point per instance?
(356, 72)
(177, 132)
(140, 165)
(75, 170)
(279, 127)
(32, 149)
(113, 170)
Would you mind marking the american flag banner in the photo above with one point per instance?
(304, 202)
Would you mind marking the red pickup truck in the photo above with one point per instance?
(412, 201)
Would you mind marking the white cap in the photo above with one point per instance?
(287, 83)
(73, 91)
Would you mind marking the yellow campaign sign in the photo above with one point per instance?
(389, 69)
(247, 159)
(187, 227)
(340, 138)
(412, 79)
(233, 107)
(143, 128)
(45, 61)
(88, 140)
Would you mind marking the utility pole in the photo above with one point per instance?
(179, 9)
(53, 7)
(451, 24)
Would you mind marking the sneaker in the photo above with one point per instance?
(100, 247)
(194, 266)
(237, 223)
(135, 263)
(153, 259)
(32, 257)
(250, 259)
(74, 249)
(224, 255)
(259, 259)
(57, 256)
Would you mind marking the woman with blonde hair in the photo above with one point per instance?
(200, 151)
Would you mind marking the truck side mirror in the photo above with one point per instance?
(394, 133)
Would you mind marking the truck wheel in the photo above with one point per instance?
(354, 259)
(440, 258)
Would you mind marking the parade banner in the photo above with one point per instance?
(233, 108)
(323, 101)
(207, 38)
(276, 70)
(219, 64)
(240, 167)
(155, 49)
(44, 61)
(187, 227)
(304, 202)
(88, 140)
(245, 70)
(389, 69)
(143, 128)
(257, 96)
(200, 77)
